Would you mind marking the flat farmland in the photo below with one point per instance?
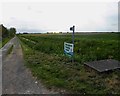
(44, 55)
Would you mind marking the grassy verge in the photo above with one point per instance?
(0, 44)
(58, 72)
(5, 40)
(10, 50)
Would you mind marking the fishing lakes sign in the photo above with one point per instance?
(68, 49)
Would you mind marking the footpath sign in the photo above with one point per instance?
(68, 49)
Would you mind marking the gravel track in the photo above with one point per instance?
(16, 78)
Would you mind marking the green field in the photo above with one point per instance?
(44, 55)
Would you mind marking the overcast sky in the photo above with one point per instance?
(59, 16)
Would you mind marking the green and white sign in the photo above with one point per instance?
(68, 49)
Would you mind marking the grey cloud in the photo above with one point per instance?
(119, 16)
(22, 30)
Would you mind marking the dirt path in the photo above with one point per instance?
(16, 79)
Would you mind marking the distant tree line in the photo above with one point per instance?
(4, 32)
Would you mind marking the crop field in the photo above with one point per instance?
(44, 55)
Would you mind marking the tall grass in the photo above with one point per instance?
(46, 60)
(87, 47)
